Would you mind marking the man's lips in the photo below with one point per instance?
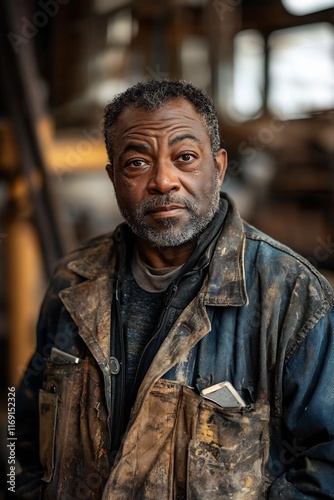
(165, 210)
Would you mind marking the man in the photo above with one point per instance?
(138, 328)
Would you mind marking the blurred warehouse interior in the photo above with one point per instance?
(269, 66)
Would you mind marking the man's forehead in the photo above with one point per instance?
(178, 112)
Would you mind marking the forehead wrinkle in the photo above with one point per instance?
(139, 125)
(133, 124)
(182, 137)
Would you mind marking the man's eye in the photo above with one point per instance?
(186, 157)
(136, 163)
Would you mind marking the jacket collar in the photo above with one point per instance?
(225, 284)
(95, 259)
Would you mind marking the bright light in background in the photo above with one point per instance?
(302, 7)
(121, 28)
(301, 70)
(248, 74)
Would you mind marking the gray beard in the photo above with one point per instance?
(170, 235)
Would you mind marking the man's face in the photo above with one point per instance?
(166, 179)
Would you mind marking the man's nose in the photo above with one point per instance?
(164, 178)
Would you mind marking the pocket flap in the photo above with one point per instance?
(48, 407)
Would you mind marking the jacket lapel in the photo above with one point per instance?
(89, 302)
(227, 284)
(89, 305)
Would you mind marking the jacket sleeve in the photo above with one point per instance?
(308, 414)
(55, 327)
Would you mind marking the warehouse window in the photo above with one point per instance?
(301, 70)
(302, 7)
(248, 74)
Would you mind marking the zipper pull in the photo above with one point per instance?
(170, 294)
(117, 290)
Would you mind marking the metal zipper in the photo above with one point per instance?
(118, 379)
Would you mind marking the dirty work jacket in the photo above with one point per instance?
(263, 320)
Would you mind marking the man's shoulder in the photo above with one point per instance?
(268, 244)
(276, 258)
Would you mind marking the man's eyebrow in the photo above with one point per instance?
(180, 138)
(135, 146)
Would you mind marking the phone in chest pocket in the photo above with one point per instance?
(224, 395)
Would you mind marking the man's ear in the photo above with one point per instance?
(221, 162)
(110, 170)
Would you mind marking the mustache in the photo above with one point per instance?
(159, 201)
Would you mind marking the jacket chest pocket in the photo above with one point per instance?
(228, 453)
(73, 431)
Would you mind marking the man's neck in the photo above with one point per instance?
(159, 258)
